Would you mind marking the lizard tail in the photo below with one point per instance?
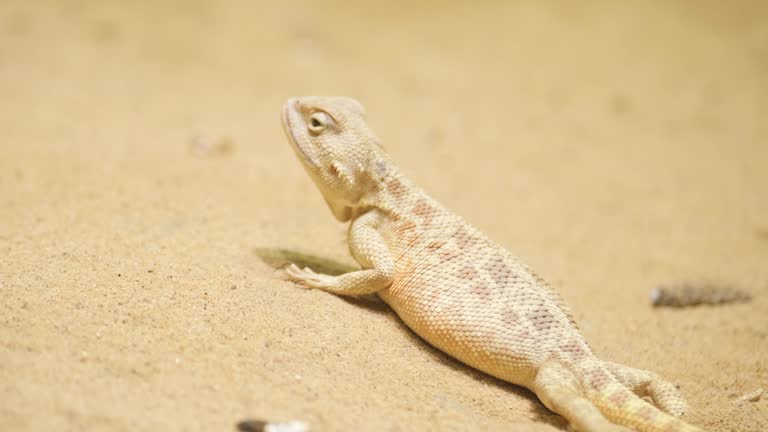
(589, 396)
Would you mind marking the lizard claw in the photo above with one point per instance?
(307, 277)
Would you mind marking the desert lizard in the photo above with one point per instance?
(457, 289)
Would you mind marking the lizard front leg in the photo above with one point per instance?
(370, 251)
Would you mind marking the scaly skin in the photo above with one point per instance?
(457, 289)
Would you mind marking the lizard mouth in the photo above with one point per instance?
(288, 111)
(292, 120)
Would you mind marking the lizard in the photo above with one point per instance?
(457, 289)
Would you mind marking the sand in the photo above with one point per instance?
(147, 192)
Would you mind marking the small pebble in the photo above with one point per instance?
(691, 294)
(205, 147)
(251, 425)
(263, 426)
(751, 396)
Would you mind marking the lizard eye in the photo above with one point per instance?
(318, 122)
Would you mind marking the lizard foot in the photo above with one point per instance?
(308, 277)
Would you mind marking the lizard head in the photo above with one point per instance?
(336, 147)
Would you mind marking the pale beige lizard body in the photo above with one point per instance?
(457, 289)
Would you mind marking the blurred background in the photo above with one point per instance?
(612, 145)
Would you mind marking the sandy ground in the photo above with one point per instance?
(146, 188)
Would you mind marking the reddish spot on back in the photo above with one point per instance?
(435, 245)
(510, 316)
(424, 210)
(395, 187)
(448, 255)
(541, 318)
(498, 270)
(413, 239)
(574, 350)
(481, 289)
(464, 238)
(468, 272)
(405, 227)
(523, 333)
(407, 232)
(598, 379)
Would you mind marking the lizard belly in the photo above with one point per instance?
(487, 336)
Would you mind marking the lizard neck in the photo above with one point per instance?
(392, 193)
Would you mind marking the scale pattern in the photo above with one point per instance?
(457, 289)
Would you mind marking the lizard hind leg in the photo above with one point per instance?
(646, 383)
(559, 389)
(621, 405)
